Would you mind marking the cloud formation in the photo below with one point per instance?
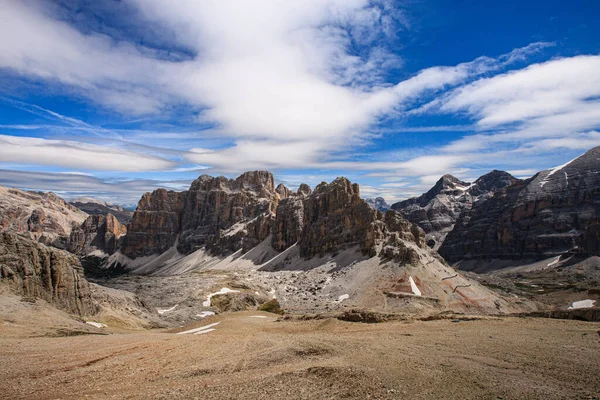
(284, 85)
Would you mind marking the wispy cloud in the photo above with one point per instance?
(294, 86)
(76, 155)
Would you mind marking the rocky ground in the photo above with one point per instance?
(255, 355)
(556, 282)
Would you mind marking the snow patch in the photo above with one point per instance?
(556, 169)
(222, 291)
(582, 304)
(414, 287)
(203, 332)
(258, 316)
(195, 330)
(205, 314)
(96, 324)
(162, 311)
(554, 262)
(343, 297)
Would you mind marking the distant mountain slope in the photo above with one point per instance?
(438, 210)
(44, 217)
(99, 207)
(378, 203)
(555, 211)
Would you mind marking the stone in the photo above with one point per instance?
(97, 232)
(304, 190)
(44, 217)
(283, 191)
(219, 214)
(34, 270)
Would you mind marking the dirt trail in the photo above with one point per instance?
(259, 358)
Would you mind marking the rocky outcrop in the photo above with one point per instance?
(98, 232)
(98, 207)
(219, 214)
(155, 225)
(334, 218)
(44, 217)
(304, 190)
(283, 191)
(555, 211)
(378, 203)
(289, 222)
(438, 210)
(34, 270)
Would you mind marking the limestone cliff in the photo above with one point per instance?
(219, 214)
(98, 232)
(34, 270)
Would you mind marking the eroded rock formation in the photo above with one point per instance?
(34, 270)
(220, 214)
(334, 217)
(98, 232)
(44, 217)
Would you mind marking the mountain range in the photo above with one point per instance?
(313, 250)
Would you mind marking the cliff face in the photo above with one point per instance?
(98, 232)
(44, 217)
(438, 210)
(211, 213)
(225, 215)
(32, 269)
(553, 212)
(155, 224)
(333, 217)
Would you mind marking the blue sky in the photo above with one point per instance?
(110, 98)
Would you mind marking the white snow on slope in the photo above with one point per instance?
(205, 314)
(343, 297)
(414, 287)
(203, 332)
(195, 330)
(166, 310)
(556, 169)
(96, 324)
(554, 262)
(222, 291)
(582, 304)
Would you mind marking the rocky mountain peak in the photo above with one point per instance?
(283, 191)
(340, 184)
(205, 215)
(438, 210)
(552, 213)
(378, 203)
(256, 180)
(491, 182)
(97, 232)
(304, 189)
(450, 182)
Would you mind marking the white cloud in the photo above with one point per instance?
(75, 155)
(285, 89)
